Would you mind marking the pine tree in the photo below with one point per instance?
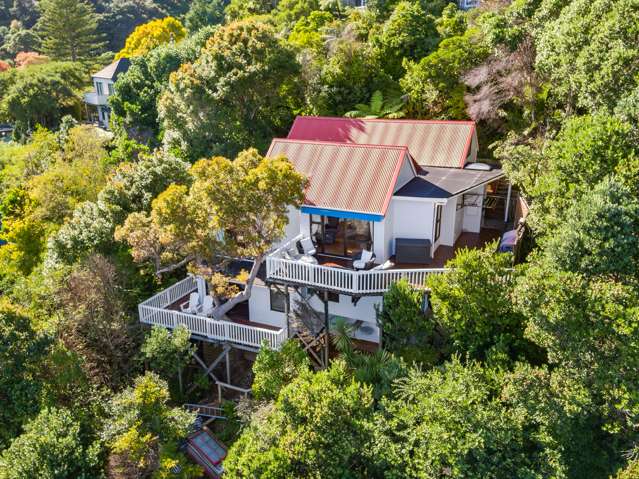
(68, 29)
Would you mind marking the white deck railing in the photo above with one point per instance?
(153, 311)
(340, 279)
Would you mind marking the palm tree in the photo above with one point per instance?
(378, 108)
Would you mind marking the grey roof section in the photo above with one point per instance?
(112, 71)
(435, 182)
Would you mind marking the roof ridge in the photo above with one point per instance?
(343, 144)
(387, 120)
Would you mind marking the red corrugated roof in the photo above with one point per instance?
(345, 177)
(430, 142)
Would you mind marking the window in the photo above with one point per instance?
(110, 88)
(438, 221)
(343, 237)
(98, 88)
(278, 301)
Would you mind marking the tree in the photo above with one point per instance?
(53, 446)
(587, 149)
(150, 35)
(452, 422)
(378, 108)
(273, 370)
(41, 94)
(589, 53)
(405, 329)
(217, 105)
(473, 302)
(142, 432)
(590, 331)
(137, 91)
(245, 204)
(308, 31)
(432, 84)
(240, 9)
(409, 33)
(131, 187)
(120, 18)
(68, 29)
(96, 324)
(203, 13)
(598, 236)
(22, 351)
(168, 352)
(19, 39)
(315, 428)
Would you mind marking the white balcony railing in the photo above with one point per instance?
(154, 311)
(341, 279)
(92, 98)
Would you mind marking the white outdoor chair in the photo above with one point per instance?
(365, 261)
(191, 306)
(308, 246)
(207, 305)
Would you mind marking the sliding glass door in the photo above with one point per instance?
(343, 237)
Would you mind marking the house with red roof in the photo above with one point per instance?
(387, 199)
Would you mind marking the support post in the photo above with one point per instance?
(228, 367)
(327, 337)
(287, 312)
(507, 209)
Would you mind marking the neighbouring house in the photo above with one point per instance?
(387, 200)
(468, 4)
(97, 101)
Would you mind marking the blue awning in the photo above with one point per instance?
(311, 210)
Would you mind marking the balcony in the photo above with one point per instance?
(163, 310)
(335, 277)
(92, 98)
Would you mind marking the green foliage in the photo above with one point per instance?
(51, 447)
(203, 13)
(432, 84)
(168, 352)
(589, 52)
(451, 422)
(142, 431)
(590, 331)
(151, 35)
(409, 34)
(473, 302)
(22, 351)
(131, 188)
(378, 108)
(405, 329)
(239, 9)
(68, 29)
(40, 94)
(587, 149)
(273, 369)
(217, 90)
(134, 102)
(598, 236)
(315, 428)
(308, 31)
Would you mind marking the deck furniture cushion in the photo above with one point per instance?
(207, 305)
(365, 260)
(412, 250)
(307, 246)
(191, 306)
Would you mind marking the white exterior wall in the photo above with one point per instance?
(447, 233)
(379, 240)
(411, 219)
(364, 310)
(459, 217)
(406, 173)
(472, 214)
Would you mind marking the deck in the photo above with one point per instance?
(337, 275)
(164, 310)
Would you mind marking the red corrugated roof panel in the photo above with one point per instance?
(431, 143)
(344, 177)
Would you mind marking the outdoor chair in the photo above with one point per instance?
(308, 247)
(364, 260)
(191, 306)
(207, 305)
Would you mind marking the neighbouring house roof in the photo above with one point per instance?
(434, 182)
(345, 177)
(448, 144)
(112, 71)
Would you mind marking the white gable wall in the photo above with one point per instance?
(406, 173)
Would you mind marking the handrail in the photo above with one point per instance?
(205, 410)
(211, 328)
